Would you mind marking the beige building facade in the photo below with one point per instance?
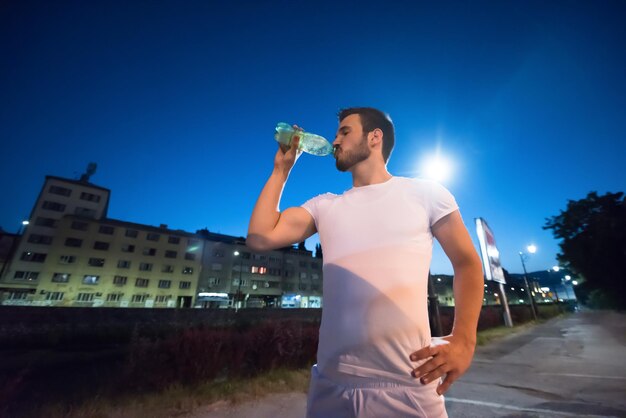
(72, 254)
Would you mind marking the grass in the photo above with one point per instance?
(178, 400)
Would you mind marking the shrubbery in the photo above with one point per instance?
(200, 354)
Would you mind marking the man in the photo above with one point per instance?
(375, 356)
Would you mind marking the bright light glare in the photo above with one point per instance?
(556, 268)
(437, 167)
(575, 283)
(532, 248)
(568, 277)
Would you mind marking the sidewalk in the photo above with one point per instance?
(567, 367)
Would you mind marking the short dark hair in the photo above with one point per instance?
(371, 119)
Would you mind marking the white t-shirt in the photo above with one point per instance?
(377, 247)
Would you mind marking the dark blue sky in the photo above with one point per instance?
(176, 102)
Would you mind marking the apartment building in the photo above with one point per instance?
(71, 254)
(234, 275)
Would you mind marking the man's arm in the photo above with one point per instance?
(451, 355)
(269, 228)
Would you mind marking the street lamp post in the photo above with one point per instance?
(238, 295)
(531, 249)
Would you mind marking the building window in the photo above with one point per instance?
(139, 298)
(302, 275)
(90, 197)
(192, 242)
(315, 287)
(47, 222)
(213, 281)
(149, 251)
(218, 253)
(184, 285)
(91, 279)
(165, 284)
(79, 225)
(40, 239)
(275, 272)
(128, 248)
(152, 236)
(167, 268)
(315, 265)
(315, 276)
(114, 297)
(85, 212)
(61, 191)
(173, 240)
(187, 270)
(100, 245)
(245, 255)
(287, 286)
(106, 229)
(141, 282)
(145, 266)
(170, 254)
(85, 297)
(73, 242)
(163, 298)
(34, 257)
(120, 280)
(61, 277)
(302, 286)
(302, 263)
(67, 259)
(258, 270)
(244, 282)
(216, 266)
(17, 295)
(96, 262)
(54, 296)
(132, 233)
(55, 206)
(28, 276)
(190, 256)
(123, 264)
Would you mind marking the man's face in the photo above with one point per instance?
(350, 143)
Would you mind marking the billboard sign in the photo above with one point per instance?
(489, 252)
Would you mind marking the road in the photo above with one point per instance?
(567, 367)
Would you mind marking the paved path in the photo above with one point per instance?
(567, 367)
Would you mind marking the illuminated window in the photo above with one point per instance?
(60, 277)
(91, 279)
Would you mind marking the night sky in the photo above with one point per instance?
(177, 102)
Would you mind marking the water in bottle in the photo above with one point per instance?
(310, 143)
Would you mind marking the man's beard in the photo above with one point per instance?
(346, 160)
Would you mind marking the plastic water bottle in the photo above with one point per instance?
(311, 143)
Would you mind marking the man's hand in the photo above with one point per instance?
(286, 156)
(450, 356)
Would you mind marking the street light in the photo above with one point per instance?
(237, 297)
(531, 249)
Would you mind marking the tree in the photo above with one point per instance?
(592, 234)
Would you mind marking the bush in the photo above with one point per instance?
(198, 354)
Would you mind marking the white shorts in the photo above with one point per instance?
(329, 399)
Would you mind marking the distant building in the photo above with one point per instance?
(71, 254)
(289, 277)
